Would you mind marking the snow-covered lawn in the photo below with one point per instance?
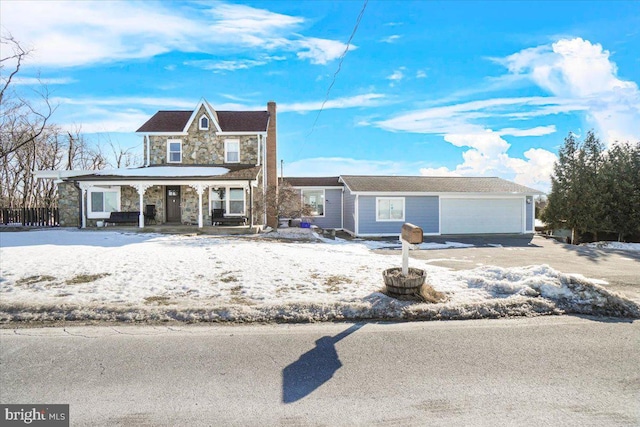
(286, 276)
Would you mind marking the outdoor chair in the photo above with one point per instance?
(150, 214)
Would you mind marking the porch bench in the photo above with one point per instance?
(229, 220)
(123, 217)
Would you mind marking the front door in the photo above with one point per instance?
(173, 203)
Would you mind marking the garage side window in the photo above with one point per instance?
(389, 209)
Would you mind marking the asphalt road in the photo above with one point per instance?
(564, 371)
(621, 269)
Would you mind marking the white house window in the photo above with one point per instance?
(101, 202)
(204, 123)
(230, 200)
(174, 150)
(314, 199)
(218, 199)
(232, 151)
(236, 201)
(389, 209)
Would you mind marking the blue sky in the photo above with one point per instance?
(432, 88)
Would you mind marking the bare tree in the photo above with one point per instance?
(29, 142)
(120, 157)
(21, 121)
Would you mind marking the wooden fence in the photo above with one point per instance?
(30, 217)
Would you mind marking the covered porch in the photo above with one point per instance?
(227, 230)
(173, 196)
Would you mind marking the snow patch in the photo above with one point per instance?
(635, 247)
(289, 275)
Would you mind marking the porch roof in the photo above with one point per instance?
(164, 173)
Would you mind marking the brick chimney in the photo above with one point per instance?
(272, 161)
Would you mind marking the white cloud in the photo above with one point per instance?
(486, 151)
(35, 81)
(72, 33)
(421, 74)
(334, 166)
(391, 39)
(231, 65)
(580, 77)
(488, 157)
(397, 74)
(366, 100)
(582, 71)
(320, 51)
(441, 171)
(128, 102)
(95, 120)
(536, 131)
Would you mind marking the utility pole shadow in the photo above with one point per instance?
(313, 368)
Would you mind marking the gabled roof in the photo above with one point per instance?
(229, 121)
(166, 121)
(432, 184)
(333, 181)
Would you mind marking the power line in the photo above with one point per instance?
(341, 60)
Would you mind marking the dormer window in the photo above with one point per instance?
(204, 123)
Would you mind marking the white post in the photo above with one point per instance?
(405, 257)
(141, 190)
(199, 187)
(85, 206)
(200, 191)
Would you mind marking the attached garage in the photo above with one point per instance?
(379, 205)
(481, 215)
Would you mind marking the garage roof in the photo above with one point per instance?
(433, 184)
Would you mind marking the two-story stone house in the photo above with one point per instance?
(195, 162)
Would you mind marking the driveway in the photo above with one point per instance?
(621, 269)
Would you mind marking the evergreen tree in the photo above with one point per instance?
(589, 185)
(576, 200)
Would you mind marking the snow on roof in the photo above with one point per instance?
(165, 171)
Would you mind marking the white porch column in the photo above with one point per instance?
(199, 187)
(84, 204)
(141, 188)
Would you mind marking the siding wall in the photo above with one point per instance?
(422, 211)
(349, 211)
(332, 210)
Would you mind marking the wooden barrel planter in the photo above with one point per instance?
(398, 285)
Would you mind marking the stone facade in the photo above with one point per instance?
(130, 201)
(202, 147)
(68, 197)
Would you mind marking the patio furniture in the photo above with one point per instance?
(150, 214)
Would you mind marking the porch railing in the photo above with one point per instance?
(30, 217)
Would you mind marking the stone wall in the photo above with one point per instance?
(68, 204)
(130, 201)
(203, 147)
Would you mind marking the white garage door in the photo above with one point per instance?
(478, 216)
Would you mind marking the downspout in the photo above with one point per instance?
(357, 214)
(342, 209)
(148, 144)
(259, 151)
(264, 179)
(250, 204)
